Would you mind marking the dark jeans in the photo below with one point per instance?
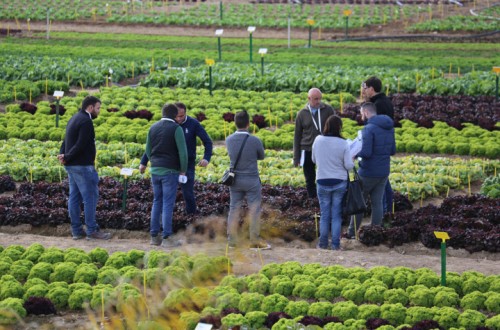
(388, 197)
(188, 192)
(309, 169)
(373, 187)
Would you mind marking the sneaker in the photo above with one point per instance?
(169, 243)
(262, 245)
(337, 248)
(155, 240)
(79, 236)
(348, 236)
(99, 235)
(318, 246)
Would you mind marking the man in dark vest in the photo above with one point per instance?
(166, 148)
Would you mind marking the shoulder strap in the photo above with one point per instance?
(239, 152)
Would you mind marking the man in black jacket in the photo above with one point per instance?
(77, 154)
(372, 92)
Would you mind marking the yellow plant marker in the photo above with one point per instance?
(421, 199)
(448, 192)
(432, 73)
(316, 222)
(31, 175)
(225, 135)
(17, 23)
(153, 64)
(30, 95)
(276, 122)
(450, 69)
(399, 85)
(393, 207)
(341, 97)
(46, 86)
(468, 179)
(102, 306)
(260, 256)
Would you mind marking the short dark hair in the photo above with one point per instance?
(369, 107)
(333, 126)
(375, 83)
(241, 119)
(180, 105)
(88, 101)
(169, 111)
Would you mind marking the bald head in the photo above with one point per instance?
(314, 97)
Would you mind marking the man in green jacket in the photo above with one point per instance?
(166, 149)
(309, 123)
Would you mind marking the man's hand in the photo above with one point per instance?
(296, 164)
(142, 168)
(203, 163)
(60, 157)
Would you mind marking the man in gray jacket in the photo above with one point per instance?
(247, 181)
(309, 123)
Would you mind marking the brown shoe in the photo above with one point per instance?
(99, 235)
(261, 245)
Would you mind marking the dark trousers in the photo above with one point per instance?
(388, 198)
(309, 169)
(188, 192)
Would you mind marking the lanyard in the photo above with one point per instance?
(314, 121)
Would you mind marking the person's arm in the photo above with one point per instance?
(82, 141)
(297, 137)
(144, 163)
(148, 147)
(367, 144)
(180, 141)
(207, 144)
(393, 147)
(314, 149)
(260, 150)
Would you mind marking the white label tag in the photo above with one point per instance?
(126, 171)
(203, 326)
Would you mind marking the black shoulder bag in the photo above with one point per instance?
(228, 176)
(354, 202)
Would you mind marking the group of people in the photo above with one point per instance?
(319, 148)
(326, 158)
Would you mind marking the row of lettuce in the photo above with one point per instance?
(195, 288)
(243, 15)
(32, 79)
(416, 177)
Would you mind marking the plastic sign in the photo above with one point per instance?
(58, 94)
(442, 235)
(219, 32)
(496, 69)
(310, 21)
(126, 171)
(262, 51)
(251, 29)
(110, 71)
(203, 326)
(209, 61)
(347, 12)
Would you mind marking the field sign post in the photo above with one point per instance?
(221, 10)
(443, 236)
(310, 22)
(347, 13)
(218, 33)
(262, 52)
(126, 172)
(48, 23)
(251, 30)
(58, 95)
(496, 69)
(210, 62)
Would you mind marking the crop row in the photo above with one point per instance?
(452, 58)
(351, 298)
(417, 177)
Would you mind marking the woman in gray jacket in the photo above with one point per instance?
(330, 153)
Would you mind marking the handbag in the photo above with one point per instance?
(354, 201)
(229, 175)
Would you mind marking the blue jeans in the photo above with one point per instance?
(83, 187)
(188, 192)
(248, 187)
(373, 187)
(165, 191)
(330, 203)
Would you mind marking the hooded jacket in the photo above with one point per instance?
(378, 145)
